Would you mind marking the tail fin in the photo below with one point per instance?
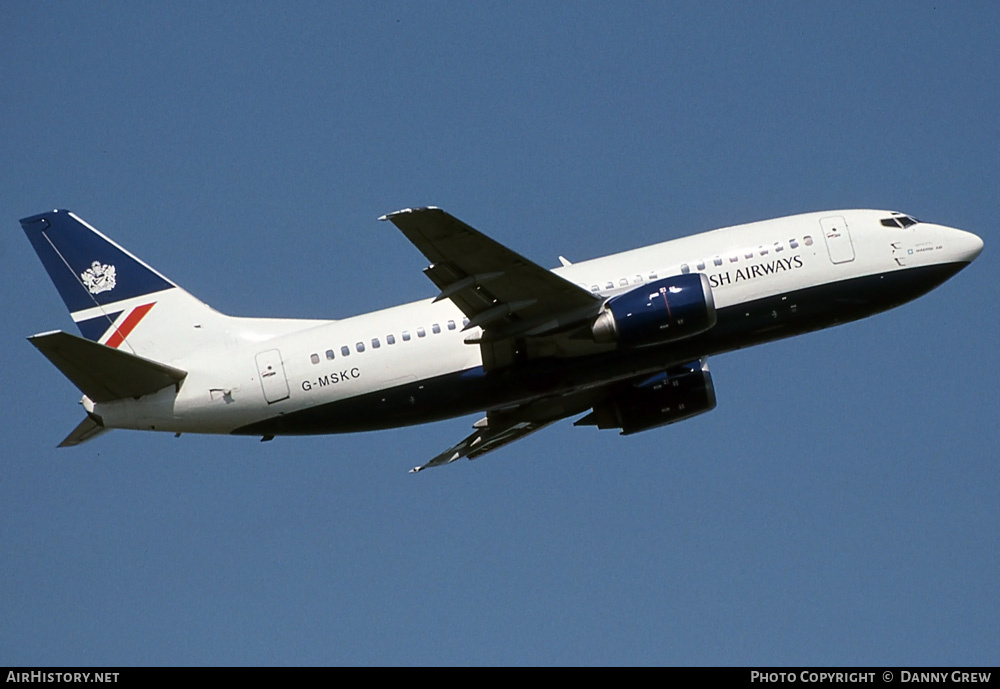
(114, 298)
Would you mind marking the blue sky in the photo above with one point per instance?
(838, 507)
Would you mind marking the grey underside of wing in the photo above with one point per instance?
(503, 426)
(483, 440)
(496, 288)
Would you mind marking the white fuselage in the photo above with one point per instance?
(774, 266)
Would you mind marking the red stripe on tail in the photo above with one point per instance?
(128, 325)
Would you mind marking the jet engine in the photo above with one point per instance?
(674, 395)
(661, 311)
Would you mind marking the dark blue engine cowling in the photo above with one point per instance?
(677, 394)
(661, 311)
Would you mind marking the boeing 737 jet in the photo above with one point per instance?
(620, 341)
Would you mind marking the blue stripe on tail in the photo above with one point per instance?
(94, 328)
(87, 268)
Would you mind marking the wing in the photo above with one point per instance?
(502, 426)
(487, 437)
(499, 290)
(630, 406)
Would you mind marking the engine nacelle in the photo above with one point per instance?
(669, 397)
(660, 311)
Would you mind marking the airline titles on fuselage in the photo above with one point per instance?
(755, 271)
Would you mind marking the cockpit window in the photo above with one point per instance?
(899, 220)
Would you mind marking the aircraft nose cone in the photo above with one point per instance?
(967, 245)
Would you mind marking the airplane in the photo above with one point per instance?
(622, 340)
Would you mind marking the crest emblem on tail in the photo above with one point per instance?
(98, 278)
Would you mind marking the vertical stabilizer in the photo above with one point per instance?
(114, 297)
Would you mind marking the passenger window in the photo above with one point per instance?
(595, 289)
(390, 339)
(345, 351)
(329, 354)
(701, 265)
(436, 329)
(793, 243)
(717, 260)
(451, 325)
(314, 358)
(748, 255)
(623, 282)
(652, 276)
(421, 332)
(406, 336)
(808, 240)
(375, 343)
(610, 285)
(778, 247)
(763, 251)
(465, 322)
(360, 346)
(685, 268)
(638, 279)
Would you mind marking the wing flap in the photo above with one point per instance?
(104, 374)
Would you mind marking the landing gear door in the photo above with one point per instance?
(272, 376)
(838, 239)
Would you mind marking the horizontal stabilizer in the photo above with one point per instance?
(104, 374)
(87, 430)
